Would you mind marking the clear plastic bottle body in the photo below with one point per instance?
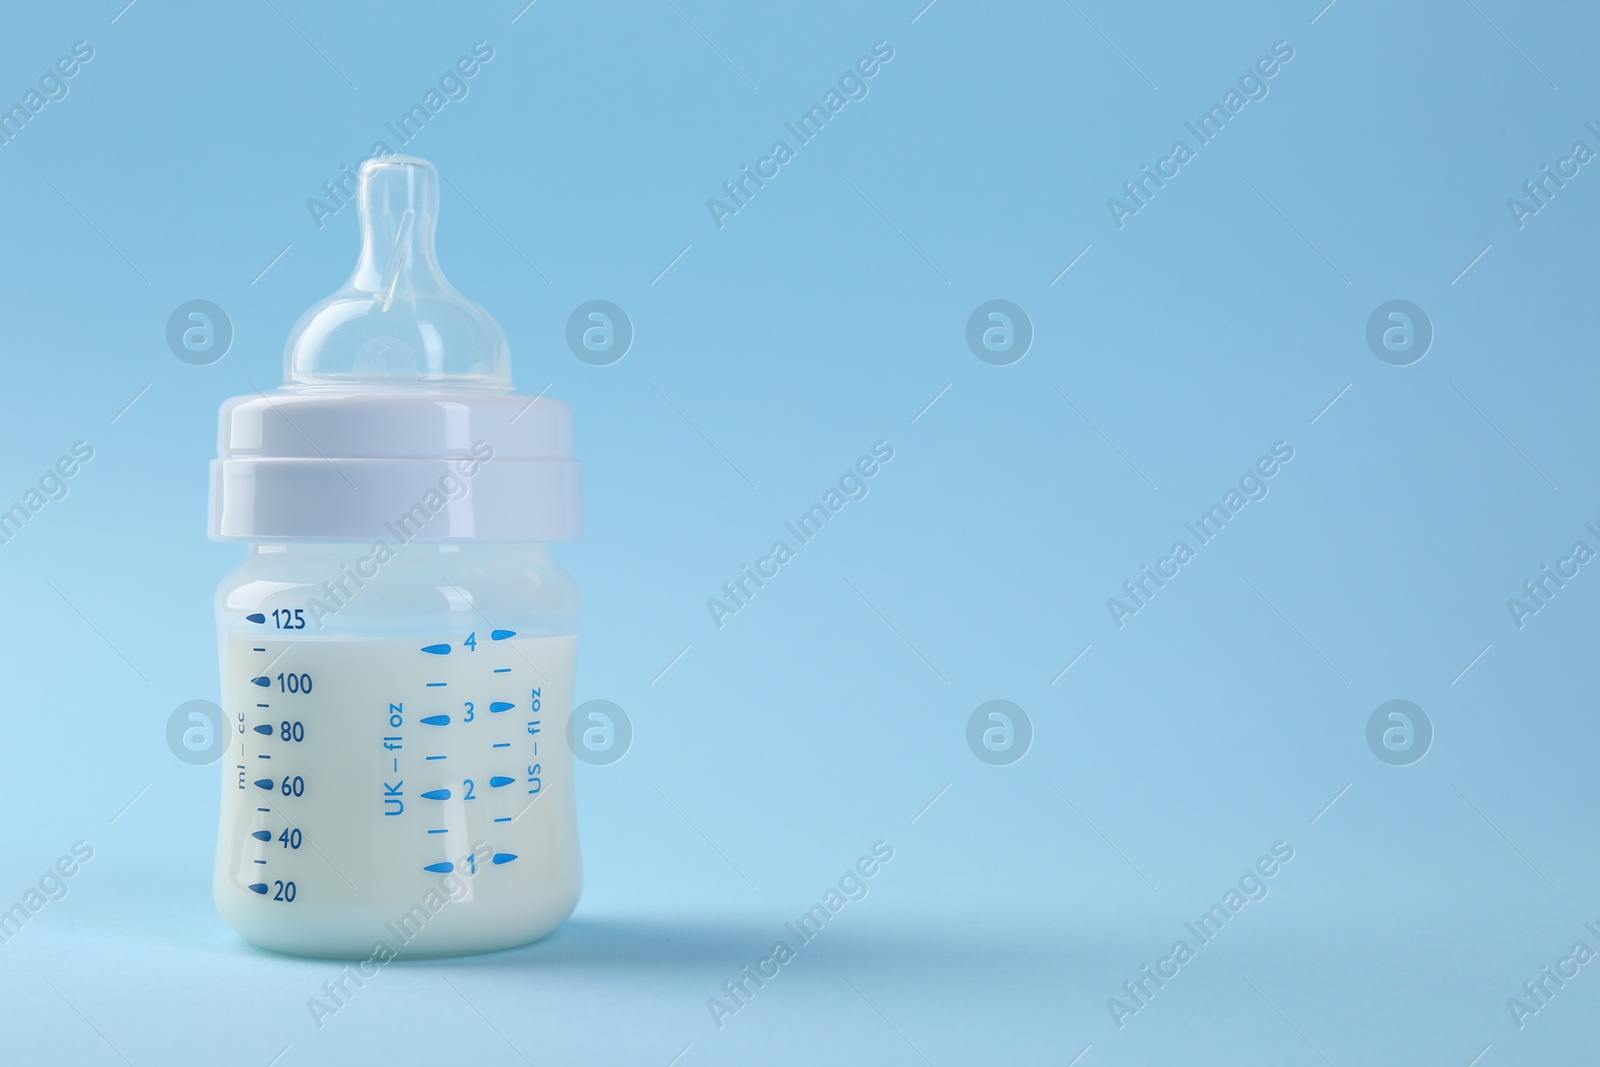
(398, 780)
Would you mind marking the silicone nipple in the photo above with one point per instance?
(397, 323)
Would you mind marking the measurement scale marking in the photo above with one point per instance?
(268, 732)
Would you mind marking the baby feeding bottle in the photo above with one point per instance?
(398, 647)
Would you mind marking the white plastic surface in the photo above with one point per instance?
(356, 467)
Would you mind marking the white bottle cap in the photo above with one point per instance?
(396, 417)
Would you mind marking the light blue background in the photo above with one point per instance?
(825, 316)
